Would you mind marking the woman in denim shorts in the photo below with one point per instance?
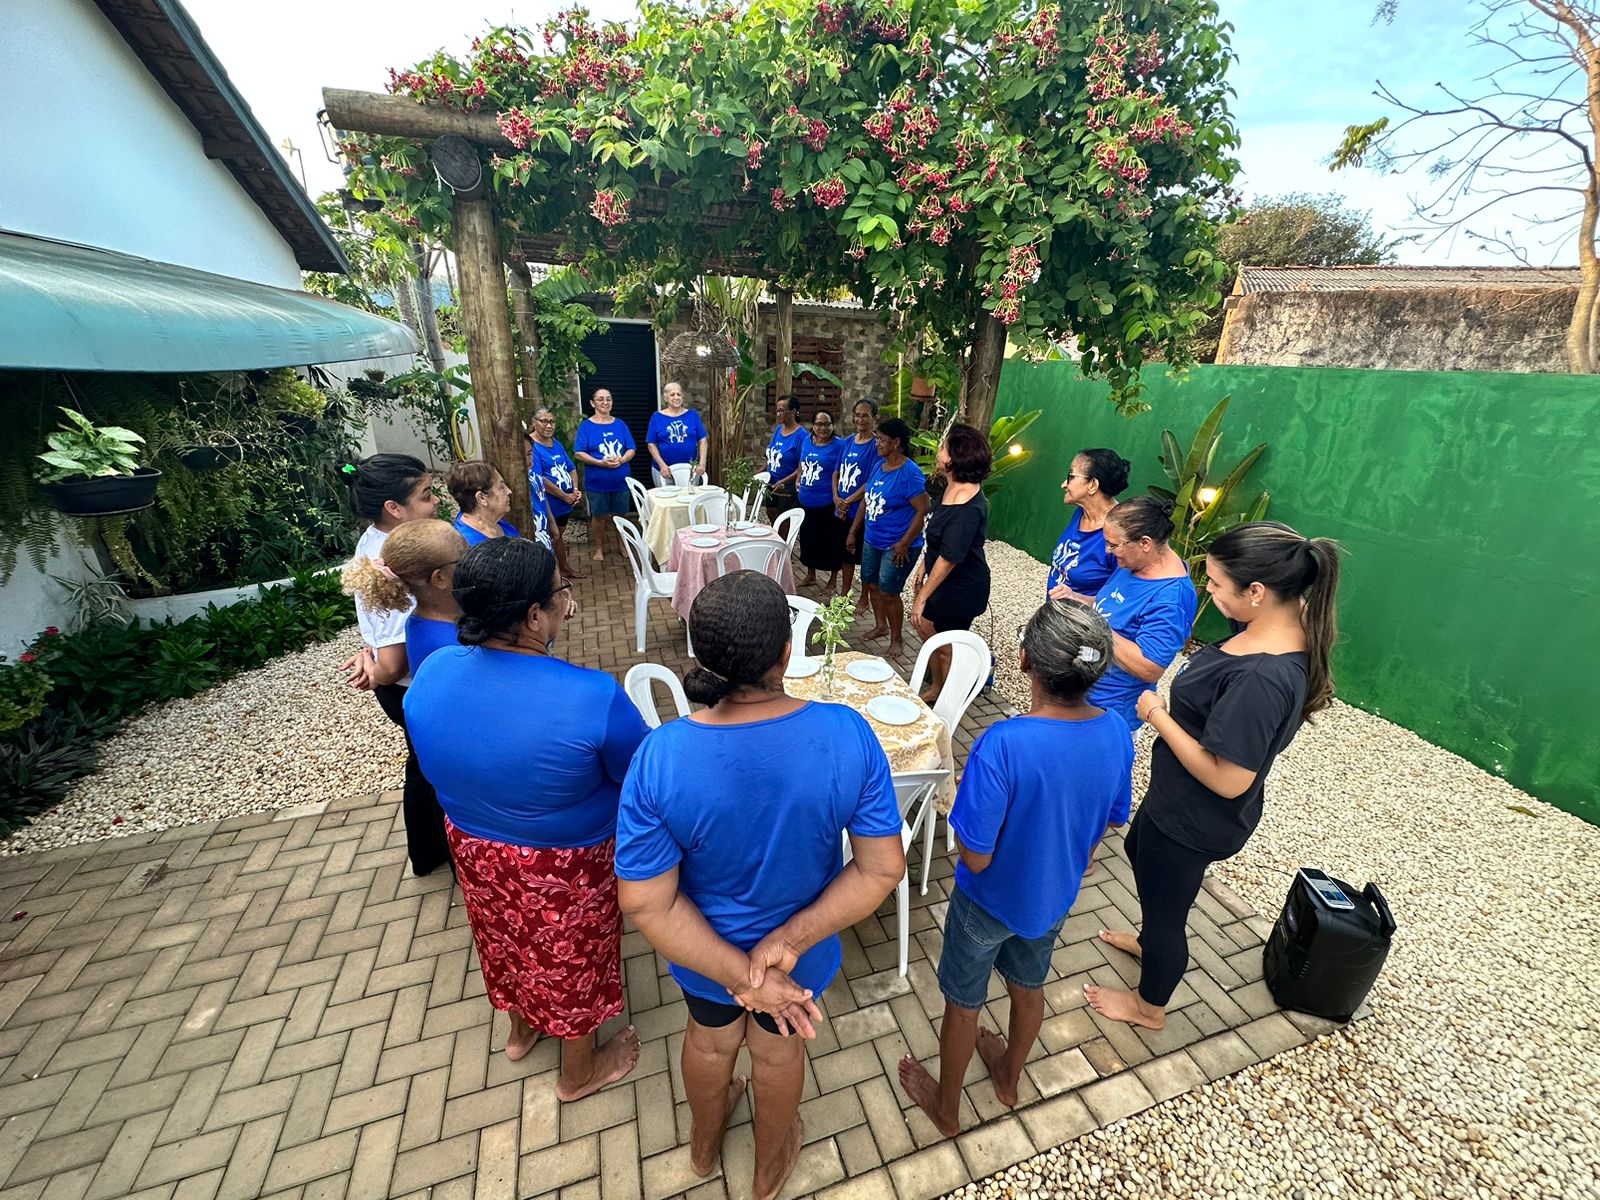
(1036, 795)
(888, 527)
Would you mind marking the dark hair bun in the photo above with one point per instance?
(705, 687)
(1107, 468)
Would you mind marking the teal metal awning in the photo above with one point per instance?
(65, 307)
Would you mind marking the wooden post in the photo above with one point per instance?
(486, 316)
(980, 381)
(785, 333)
(528, 331)
(426, 315)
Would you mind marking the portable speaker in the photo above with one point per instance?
(1328, 946)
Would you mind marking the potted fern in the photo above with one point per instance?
(93, 470)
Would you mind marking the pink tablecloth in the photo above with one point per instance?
(697, 566)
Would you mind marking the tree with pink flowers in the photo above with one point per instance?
(1011, 171)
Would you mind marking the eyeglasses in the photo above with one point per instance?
(1071, 475)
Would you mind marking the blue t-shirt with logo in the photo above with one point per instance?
(552, 463)
(1037, 795)
(1157, 615)
(542, 760)
(817, 465)
(754, 840)
(888, 503)
(783, 452)
(604, 441)
(855, 467)
(424, 635)
(676, 439)
(1080, 560)
(541, 526)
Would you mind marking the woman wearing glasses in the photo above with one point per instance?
(553, 477)
(534, 862)
(1081, 562)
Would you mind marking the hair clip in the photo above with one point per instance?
(1088, 654)
(385, 569)
(348, 468)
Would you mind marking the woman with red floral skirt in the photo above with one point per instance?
(528, 754)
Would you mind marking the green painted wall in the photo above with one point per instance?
(1469, 508)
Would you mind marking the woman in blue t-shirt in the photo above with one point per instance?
(605, 447)
(528, 753)
(676, 434)
(1034, 799)
(1081, 562)
(783, 457)
(1233, 709)
(413, 576)
(889, 522)
(822, 532)
(484, 498)
(860, 456)
(1149, 601)
(554, 476)
(731, 862)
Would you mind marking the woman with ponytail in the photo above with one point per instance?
(528, 753)
(1233, 709)
(414, 575)
(732, 867)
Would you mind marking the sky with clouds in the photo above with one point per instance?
(1303, 73)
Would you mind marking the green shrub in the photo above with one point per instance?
(108, 673)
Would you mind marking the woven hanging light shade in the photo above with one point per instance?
(701, 348)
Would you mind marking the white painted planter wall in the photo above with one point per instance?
(154, 610)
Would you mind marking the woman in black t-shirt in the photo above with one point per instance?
(951, 584)
(1234, 707)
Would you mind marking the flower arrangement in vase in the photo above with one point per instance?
(833, 620)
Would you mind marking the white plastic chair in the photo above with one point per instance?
(648, 583)
(805, 612)
(912, 790)
(756, 492)
(787, 526)
(750, 554)
(969, 667)
(638, 684)
(641, 500)
(682, 474)
(921, 814)
(709, 509)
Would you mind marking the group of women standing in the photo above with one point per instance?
(728, 863)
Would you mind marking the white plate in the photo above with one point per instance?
(706, 528)
(893, 710)
(742, 526)
(869, 670)
(799, 667)
(705, 543)
(759, 530)
(666, 493)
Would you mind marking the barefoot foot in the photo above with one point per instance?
(992, 1049)
(923, 1090)
(597, 556)
(810, 580)
(611, 1062)
(877, 631)
(705, 1150)
(1116, 1004)
(768, 1188)
(896, 649)
(1122, 940)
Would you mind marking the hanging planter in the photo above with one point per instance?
(104, 494)
(296, 425)
(215, 451)
(91, 470)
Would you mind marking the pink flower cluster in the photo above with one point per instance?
(610, 207)
(1022, 268)
(816, 134)
(517, 126)
(781, 200)
(753, 156)
(830, 193)
(1150, 56)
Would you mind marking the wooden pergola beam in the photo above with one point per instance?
(399, 116)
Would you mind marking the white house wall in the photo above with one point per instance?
(94, 152)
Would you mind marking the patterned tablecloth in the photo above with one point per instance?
(697, 565)
(669, 514)
(924, 745)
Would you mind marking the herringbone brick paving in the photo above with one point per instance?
(272, 1005)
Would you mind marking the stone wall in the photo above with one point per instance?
(1512, 329)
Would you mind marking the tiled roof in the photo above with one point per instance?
(1363, 279)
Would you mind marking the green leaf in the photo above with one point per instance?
(1203, 439)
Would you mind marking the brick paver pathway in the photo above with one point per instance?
(272, 1006)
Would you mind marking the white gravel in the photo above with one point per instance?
(1479, 1072)
(1477, 1075)
(287, 733)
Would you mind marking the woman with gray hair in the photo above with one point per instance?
(1038, 792)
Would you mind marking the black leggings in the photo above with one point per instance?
(1167, 875)
(426, 842)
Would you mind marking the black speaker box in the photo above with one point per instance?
(1323, 960)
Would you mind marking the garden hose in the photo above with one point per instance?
(463, 436)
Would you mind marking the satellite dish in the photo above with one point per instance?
(456, 162)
